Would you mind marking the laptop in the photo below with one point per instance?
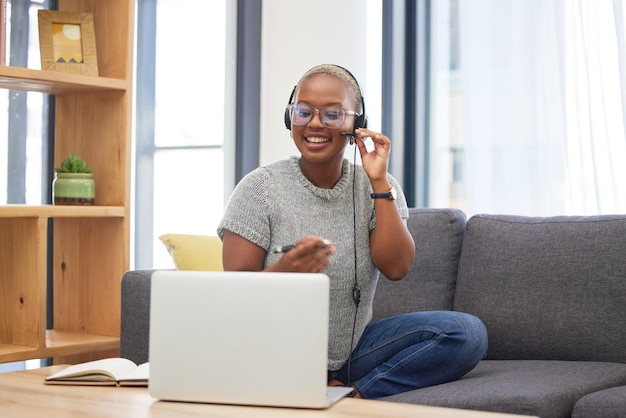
(241, 338)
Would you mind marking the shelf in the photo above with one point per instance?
(59, 211)
(53, 82)
(12, 352)
(59, 343)
(63, 343)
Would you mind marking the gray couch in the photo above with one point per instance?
(551, 291)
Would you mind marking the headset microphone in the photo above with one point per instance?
(350, 136)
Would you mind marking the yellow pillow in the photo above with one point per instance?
(194, 252)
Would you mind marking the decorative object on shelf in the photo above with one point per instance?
(67, 42)
(73, 183)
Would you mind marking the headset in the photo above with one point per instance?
(361, 121)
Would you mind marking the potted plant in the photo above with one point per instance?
(73, 183)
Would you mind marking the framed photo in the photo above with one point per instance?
(67, 42)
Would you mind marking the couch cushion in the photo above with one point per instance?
(429, 285)
(608, 403)
(548, 389)
(194, 252)
(547, 288)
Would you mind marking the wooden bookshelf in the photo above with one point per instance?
(90, 247)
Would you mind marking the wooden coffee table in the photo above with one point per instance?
(23, 394)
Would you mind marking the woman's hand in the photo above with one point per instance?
(391, 244)
(310, 255)
(374, 162)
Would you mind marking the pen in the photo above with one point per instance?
(283, 249)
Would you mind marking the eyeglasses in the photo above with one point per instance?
(331, 116)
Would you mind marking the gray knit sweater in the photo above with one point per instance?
(276, 205)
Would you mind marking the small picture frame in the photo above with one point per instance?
(67, 42)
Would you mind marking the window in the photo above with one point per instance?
(26, 175)
(185, 88)
(180, 122)
(527, 113)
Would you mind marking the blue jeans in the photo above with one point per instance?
(413, 351)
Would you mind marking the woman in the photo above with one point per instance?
(348, 222)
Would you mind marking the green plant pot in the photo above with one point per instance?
(73, 189)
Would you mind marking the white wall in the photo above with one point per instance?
(297, 35)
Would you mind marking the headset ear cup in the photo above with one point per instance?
(287, 119)
(361, 122)
(287, 116)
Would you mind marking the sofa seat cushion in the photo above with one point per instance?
(548, 389)
(608, 403)
(430, 283)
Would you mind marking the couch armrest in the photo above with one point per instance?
(135, 315)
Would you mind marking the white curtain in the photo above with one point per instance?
(542, 86)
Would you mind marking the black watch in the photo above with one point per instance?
(391, 194)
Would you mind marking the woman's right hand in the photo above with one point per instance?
(310, 255)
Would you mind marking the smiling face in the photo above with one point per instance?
(317, 143)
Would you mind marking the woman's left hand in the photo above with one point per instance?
(374, 162)
(391, 244)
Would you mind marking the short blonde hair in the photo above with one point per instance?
(337, 72)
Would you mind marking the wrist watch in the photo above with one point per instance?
(391, 194)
